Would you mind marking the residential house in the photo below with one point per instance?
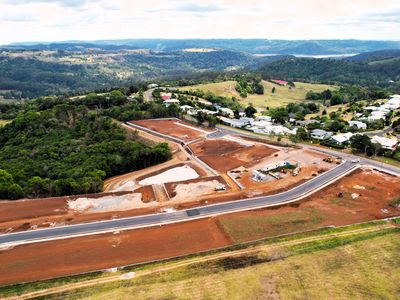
(190, 110)
(152, 85)
(386, 143)
(207, 111)
(166, 96)
(320, 134)
(341, 139)
(264, 118)
(377, 115)
(280, 82)
(169, 102)
(238, 123)
(268, 128)
(227, 112)
(358, 124)
(306, 122)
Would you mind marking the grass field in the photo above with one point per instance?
(282, 96)
(241, 227)
(359, 266)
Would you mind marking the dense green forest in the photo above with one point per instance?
(384, 74)
(31, 77)
(57, 147)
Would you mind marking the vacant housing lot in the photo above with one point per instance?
(178, 129)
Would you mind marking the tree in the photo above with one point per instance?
(360, 143)
(279, 115)
(258, 88)
(326, 95)
(336, 99)
(15, 192)
(273, 90)
(250, 111)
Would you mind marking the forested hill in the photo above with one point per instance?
(29, 74)
(376, 55)
(332, 71)
(253, 46)
(57, 146)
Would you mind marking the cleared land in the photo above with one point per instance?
(271, 269)
(282, 96)
(178, 129)
(130, 198)
(225, 155)
(375, 192)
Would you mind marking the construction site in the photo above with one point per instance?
(207, 167)
(375, 193)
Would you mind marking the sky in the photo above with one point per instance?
(60, 20)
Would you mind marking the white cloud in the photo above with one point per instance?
(27, 20)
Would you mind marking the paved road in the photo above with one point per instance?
(203, 211)
(349, 157)
(379, 132)
(178, 216)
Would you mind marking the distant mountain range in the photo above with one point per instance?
(252, 46)
(30, 70)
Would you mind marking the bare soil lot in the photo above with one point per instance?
(324, 208)
(178, 129)
(40, 213)
(311, 164)
(44, 260)
(223, 155)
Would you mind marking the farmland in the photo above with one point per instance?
(282, 96)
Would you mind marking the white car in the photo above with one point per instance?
(356, 160)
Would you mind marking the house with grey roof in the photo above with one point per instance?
(320, 134)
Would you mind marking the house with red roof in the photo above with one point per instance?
(280, 82)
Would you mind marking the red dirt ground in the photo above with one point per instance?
(50, 259)
(22, 214)
(324, 208)
(215, 147)
(224, 155)
(36, 261)
(170, 127)
(147, 193)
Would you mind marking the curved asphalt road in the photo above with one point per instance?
(198, 212)
(178, 216)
